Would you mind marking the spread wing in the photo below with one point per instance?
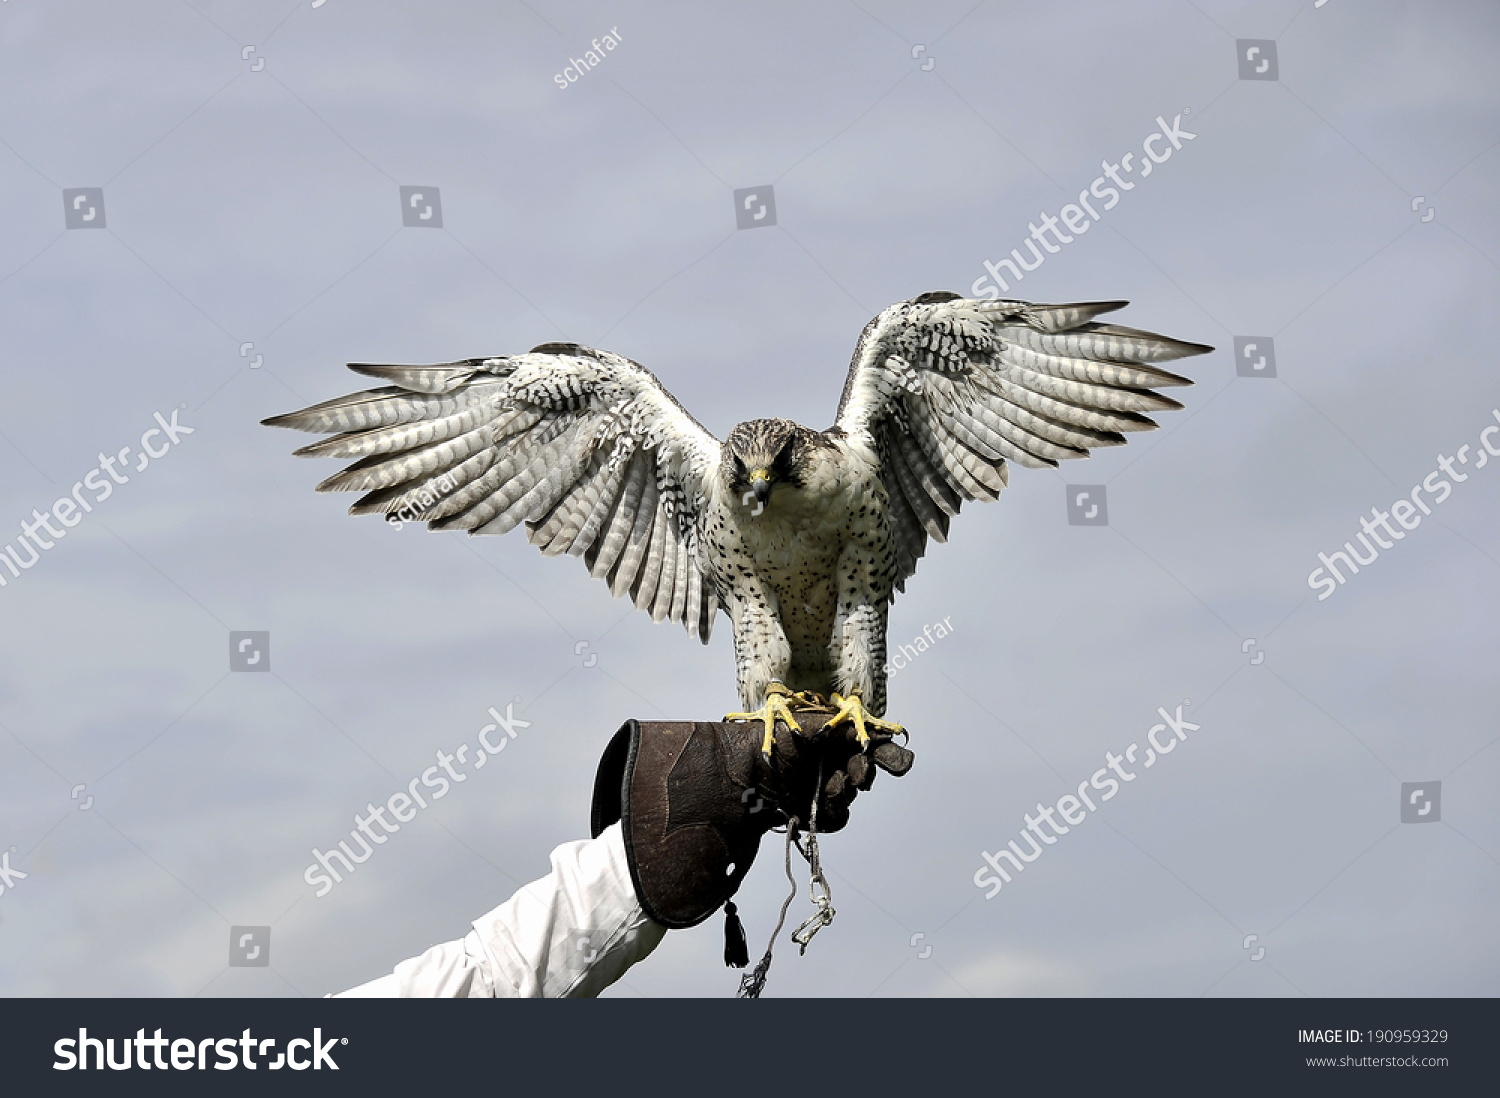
(583, 446)
(947, 390)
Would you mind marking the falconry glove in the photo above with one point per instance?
(695, 797)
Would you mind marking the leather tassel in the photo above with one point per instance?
(736, 952)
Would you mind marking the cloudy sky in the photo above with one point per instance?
(250, 241)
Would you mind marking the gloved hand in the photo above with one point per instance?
(694, 799)
(846, 770)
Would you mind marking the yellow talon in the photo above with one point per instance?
(853, 710)
(775, 709)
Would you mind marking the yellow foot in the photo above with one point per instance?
(775, 709)
(853, 710)
(806, 699)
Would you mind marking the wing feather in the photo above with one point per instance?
(428, 495)
(643, 590)
(574, 523)
(627, 568)
(584, 447)
(602, 556)
(379, 471)
(373, 408)
(947, 390)
(666, 574)
(1108, 398)
(929, 514)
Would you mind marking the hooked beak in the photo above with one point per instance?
(760, 484)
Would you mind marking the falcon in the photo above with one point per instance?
(801, 537)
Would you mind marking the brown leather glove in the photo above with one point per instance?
(696, 797)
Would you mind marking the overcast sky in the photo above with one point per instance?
(251, 241)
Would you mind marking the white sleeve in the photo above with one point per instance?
(568, 935)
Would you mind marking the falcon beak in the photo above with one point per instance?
(760, 484)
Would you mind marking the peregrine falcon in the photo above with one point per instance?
(802, 537)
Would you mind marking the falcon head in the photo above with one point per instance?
(762, 453)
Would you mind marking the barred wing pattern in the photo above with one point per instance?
(948, 389)
(585, 447)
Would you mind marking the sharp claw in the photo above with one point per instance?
(852, 711)
(774, 709)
